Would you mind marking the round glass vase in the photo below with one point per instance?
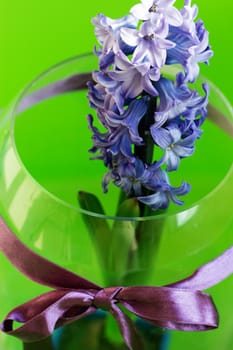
(45, 168)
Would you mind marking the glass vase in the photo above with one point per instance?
(45, 168)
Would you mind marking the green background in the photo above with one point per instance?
(36, 34)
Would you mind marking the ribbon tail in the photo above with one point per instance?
(72, 83)
(209, 274)
(36, 267)
(220, 119)
(128, 330)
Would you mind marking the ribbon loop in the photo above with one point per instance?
(172, 308)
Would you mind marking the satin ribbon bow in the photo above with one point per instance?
(178, 306)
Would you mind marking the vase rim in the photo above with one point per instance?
(185, 208)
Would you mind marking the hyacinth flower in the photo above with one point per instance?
(152, 121)
(150, 9)
(145, 123)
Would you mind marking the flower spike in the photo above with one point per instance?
(152, 121)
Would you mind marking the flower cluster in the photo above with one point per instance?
(141, 108)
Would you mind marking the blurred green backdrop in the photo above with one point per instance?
(36, 34)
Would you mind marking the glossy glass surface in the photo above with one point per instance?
(44, 162)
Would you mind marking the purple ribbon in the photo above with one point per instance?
(178, 306)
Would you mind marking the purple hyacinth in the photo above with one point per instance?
(134, 77)
(107, 30)
(150, 121)
(122, 130)
(151, 9)
(150, 44)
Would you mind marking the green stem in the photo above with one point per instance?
(146, 151)
(97, 227)
(43, 344)
(148, 232)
